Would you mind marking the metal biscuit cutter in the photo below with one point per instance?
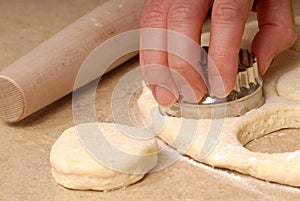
(246, 95)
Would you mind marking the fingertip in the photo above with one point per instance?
(222, 73)
(163, 96)
(264, 67)
(220, 87)
(187, 78)
(264, 55)
(193, 94)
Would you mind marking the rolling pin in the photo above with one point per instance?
(48, 72)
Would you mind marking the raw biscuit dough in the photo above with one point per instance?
(74, 168)
(220, 143)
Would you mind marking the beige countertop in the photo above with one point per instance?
(25, 146)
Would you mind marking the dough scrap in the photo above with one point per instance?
(220, 143)
(73, 167)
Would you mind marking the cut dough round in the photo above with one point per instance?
(73, 167)
(288, 85)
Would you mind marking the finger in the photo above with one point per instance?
(154, 15)
(277, 30)
(186, 17)
(227, 26)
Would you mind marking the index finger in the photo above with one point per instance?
(158, 79)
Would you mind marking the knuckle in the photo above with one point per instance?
(222, 52)
(271, 5)
(291, 35)
(182, 12)
(225, 12)
(153, 15)
(217, 53)
(181, 69)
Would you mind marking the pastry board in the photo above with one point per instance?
(25, 146)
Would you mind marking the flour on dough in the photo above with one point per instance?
(74, 168)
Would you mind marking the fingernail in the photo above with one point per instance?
(164, 97)
(269, 63)
(218, 86)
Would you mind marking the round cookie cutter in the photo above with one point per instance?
(246, 95)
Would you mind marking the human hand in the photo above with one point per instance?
(276, 33)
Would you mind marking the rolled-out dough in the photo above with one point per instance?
(74, 168)
(228, 151)
(220, 143)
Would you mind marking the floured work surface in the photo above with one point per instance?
(25, 147)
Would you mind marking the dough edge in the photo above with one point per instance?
(85, 182)
(96, 176)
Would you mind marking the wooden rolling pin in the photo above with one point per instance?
(48, 72)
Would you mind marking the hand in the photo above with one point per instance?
(276, 33)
